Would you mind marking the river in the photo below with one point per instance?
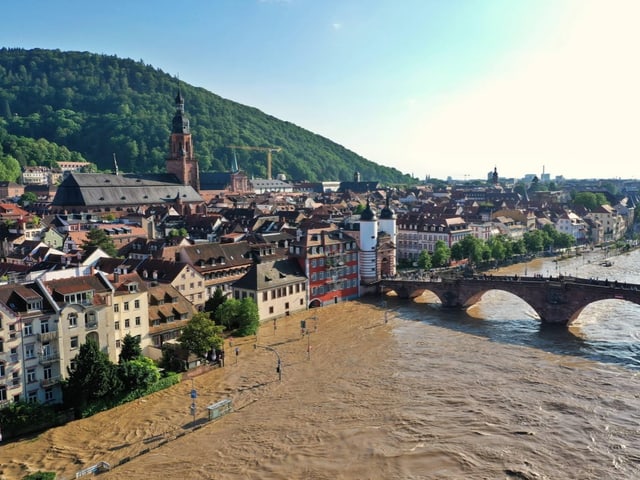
(404, 390)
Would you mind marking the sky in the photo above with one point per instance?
(438, 88)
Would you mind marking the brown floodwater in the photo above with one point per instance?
(401, 390)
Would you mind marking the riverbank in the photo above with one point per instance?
(371, 393)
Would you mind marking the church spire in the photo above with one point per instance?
(181, 160)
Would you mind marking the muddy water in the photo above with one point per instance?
(428, 394)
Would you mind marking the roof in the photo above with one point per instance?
(271, 274)
(102, 189)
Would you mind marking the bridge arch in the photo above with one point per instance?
(555, 300)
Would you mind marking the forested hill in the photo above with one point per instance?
(98, 105)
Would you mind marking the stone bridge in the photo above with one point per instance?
(556, 300)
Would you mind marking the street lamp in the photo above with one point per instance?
(305, 330)
(194, 395)
(279, 364)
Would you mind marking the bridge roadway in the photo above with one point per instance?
(556, 300)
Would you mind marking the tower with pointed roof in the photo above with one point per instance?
(181, 161)
(368, 245)
(387, 224)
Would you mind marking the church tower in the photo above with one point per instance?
(181, 161)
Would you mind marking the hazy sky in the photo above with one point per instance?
(431, 87)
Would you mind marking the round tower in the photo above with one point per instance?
(388, 225)
(368, 245)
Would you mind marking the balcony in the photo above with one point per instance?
(49, 382)
(91, 326)
(49, 357)
(48, 336)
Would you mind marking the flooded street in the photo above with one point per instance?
(428, 394)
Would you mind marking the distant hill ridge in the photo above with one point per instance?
(100, 105)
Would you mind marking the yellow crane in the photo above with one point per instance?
(269, 151)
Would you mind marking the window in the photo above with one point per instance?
(2, 371)
(117, 325)
(73, 320)
(116, 307)
(3, 393)
(126, 323)
(265, 296)
(31, 375)
(48, 394)
(44, 327)
(138, 321)
(126, 306)
(29, 351)
(270, 309)
(136, 304)
(117, 343)
(191, 285)
(74, 342)
(28, 329)
(32, 397)
(48, 373)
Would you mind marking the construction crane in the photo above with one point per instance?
(269, 151)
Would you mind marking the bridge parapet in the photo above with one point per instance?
(555, 299)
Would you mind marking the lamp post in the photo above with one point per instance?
(279, 364)
(194, 395)
(306, 331)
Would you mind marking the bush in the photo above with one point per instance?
(41, 476)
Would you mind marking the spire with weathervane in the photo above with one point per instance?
(181, 161)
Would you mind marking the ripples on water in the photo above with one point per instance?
(606, 331)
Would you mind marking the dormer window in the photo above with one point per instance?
(33, 305)
(132, 287)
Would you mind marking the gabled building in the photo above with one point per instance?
(84, 311)
(417, 232)
(130, 309)
(278, 285)
(220, 264)
(29, 360)
(182, 276)
(169, 312)
(329, 259)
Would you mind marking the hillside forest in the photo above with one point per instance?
(80, 106)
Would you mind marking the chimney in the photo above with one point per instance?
(116, 276)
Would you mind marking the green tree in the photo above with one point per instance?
(424, 260)
(93, 377)
(178, 232)
(97, 237)
(589, 200)
(200, 335)
(138, 374)
(217, 299)
(498, 248)
(27, 198)
(441, 254)
(239, 315)
(130, 348)
(533, 241)
(249, 318)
